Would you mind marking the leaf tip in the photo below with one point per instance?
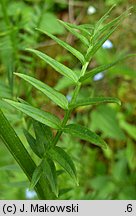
(104, 145)
(4, 99)
(29, 49)
(119, 103)
(15, 73)
(56, 193)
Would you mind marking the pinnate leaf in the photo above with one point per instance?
(84, 134)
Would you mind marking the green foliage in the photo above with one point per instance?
(85, 134)
(106, 117)
(62, 69)
(75, 52)
(39, 115)
(97, 100)
(18, 20)
(47, 126)
(54, 95)
(59, 155)
(89, 75)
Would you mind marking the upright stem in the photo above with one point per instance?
(69, 111)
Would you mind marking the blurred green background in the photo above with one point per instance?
(103, 174)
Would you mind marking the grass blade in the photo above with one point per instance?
(96, 100)
(37, 114)
(72, 50)
(84, 134)
(62, 69)
(53, 94)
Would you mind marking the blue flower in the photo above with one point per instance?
(69, 97)
(98, 76)
(107, 44)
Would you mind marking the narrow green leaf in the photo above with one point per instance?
(64, 191)
(100, 42)
(59, 155)
(37, 114)
(40, 139)
(21, 155)
(54, 95)
(99, 69)
(49, 169)
(32, 142)
(111, 24)
(103, 18)
(83, 28)
(47, 133)
(95, 100)
(76, 33)
(75, 52)
(85, 134)
(110, 27)
(62, 69)
(22, 101)
(36, 176)
(43, 136)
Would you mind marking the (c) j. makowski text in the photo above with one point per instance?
(35, 208)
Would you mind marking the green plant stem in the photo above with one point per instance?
(17, 149)
(69, 111)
